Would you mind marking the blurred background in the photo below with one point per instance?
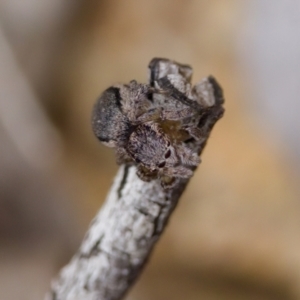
(235, 233)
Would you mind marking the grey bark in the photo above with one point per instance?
(119, 240)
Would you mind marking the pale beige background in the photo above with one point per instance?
(235, 233)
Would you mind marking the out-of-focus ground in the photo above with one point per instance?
(235, 233)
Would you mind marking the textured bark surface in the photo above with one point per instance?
(119, 240)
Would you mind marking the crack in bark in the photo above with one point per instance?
(95, 250)
(123, 182)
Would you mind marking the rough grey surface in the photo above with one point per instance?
(119, 240)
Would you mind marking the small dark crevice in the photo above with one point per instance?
(94, 251)
(143, 211)
(218, 91)
(123, 182)
(53, 295)
(156, 223)
(203, 120)
(86, 283)
(189, 141)
(159, 203)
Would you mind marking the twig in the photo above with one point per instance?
(122, 235)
